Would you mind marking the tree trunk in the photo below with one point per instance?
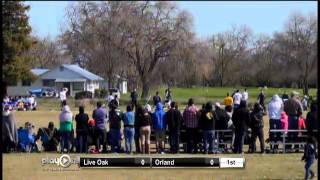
(145, 90)
(305, 87)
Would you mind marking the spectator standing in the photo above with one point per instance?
(66, 128)
(82, 130)
(190, 119)
(240, 118)
(100, 115)
(159, 125)
(128, 122)
(156, 98)
(256, 125)
(114, 129)
(236, 99)
(275, 108)
(222, 119)
(261, 98)
(168, 95)
(9, 131)
(228, 102)
(293, 109)
(134, 97)
(207, 124)
(305, 103)
(143, 120)
(174, 120)
(310, 154)
(63, 96)
(312, 120)
(285, 96)
(245, 95)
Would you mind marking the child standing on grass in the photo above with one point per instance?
(309, 156)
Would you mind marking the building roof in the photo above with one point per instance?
(86, 74)
(70, 80)
(39, 72)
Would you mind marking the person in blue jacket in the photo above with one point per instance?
(159, 126)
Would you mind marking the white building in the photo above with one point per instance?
(71, 76)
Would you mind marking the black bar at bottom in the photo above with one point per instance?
(185, 162)
(114, 162)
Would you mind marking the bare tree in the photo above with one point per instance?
(228, 47)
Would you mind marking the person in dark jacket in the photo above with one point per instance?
(207, 123)
(82, 130)
(156, 99)
(99, 115)
(240, 118)
(114, 128)
(222, 119)
(256, 125)
(261, 98)
(143, 120)
(134, 97)
(174, 120)
(310, 154)
(312, 120)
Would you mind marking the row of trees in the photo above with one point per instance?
(152, 43)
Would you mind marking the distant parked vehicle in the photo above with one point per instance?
(44, 92)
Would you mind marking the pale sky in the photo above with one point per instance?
(46, 17)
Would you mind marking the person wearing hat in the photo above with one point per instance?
(293, 109)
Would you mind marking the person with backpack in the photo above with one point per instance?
(256, 125)
(128, 122)
(159, 125)
(82, 131)
(174, 120)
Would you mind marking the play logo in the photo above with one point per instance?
(63, 161)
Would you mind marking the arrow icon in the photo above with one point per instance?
(211, 162)
(142, 162)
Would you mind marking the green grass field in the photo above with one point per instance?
(268, 166)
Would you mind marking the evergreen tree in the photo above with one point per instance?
(16, 40)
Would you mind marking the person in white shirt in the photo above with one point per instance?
(275, 107)
(63, 95)
(245, 95)
(109, 98)
(236, 99)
